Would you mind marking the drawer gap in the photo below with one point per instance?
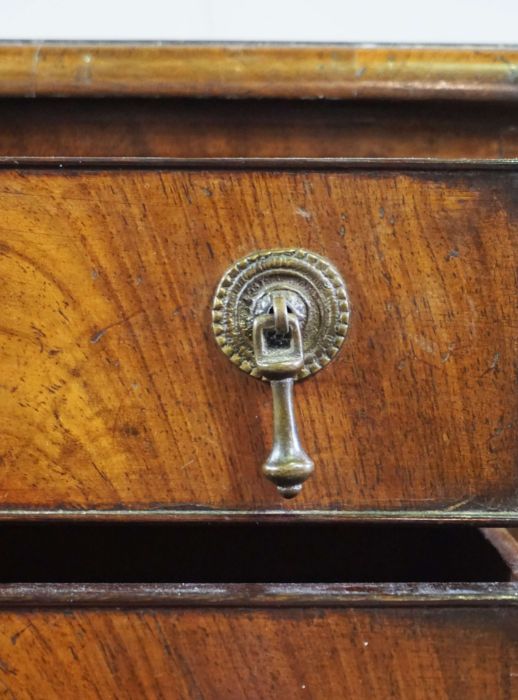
(246, 553)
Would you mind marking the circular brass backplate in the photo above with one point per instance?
(314, 290)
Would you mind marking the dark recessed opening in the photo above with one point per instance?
(245, 553)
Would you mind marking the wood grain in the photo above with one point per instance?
(412, 654)
(257, 128)
(115, 395)
(256, 70)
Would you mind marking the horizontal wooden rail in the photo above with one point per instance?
(34, 69)
(257, 595)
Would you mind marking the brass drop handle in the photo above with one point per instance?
(281, 316)
(279, 356)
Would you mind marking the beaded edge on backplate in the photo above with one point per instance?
(235, 343)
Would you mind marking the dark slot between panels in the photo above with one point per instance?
(245, 553)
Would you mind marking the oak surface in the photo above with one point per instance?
(256, 70)
(115, 395)
(204, 654)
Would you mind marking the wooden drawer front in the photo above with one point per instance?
(374, 654)
(114, 394)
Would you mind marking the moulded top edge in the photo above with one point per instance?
(257, 70)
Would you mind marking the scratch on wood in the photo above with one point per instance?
(304, 213)
(34, 71)
(493, 366)
(16, 635)
(97, 335)
(458, 504)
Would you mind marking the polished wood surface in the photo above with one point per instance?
(257, 128)
(115, 395)
(409, 654)
(256, 70)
